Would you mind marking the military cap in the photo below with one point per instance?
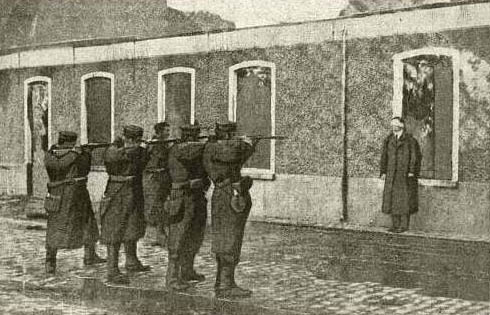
(228, 126)
(132, 131)
(67, 136)
(190, 129)
(161, 126)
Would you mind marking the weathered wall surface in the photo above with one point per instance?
(308, 111)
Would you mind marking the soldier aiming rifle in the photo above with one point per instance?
(71, 220)
(231, 201)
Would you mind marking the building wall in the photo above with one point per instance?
(308, 110)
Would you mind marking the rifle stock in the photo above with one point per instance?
(157, 141)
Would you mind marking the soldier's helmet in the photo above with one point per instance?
(67, 136)
(160, 126)
(190, 130)
(228, 126)
(133, 131)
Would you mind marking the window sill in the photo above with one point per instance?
(257, 173)
(443, 183)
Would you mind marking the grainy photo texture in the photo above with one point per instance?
(244, 157)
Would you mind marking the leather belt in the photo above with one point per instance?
(120, 179)
(69, 181)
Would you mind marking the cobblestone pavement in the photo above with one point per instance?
(284, 266)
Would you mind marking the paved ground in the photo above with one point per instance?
(289, 268)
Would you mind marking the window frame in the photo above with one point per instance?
(83, 108)
(27, 129)
(397, 105)
(266, 174)
(162, 94)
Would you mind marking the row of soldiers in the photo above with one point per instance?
(163, 185)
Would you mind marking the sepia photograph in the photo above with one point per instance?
(245, 157)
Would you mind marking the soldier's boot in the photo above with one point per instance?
(173, 280)
(114, 275)
(133, 264)
(217, 284)
(51, 260)
(247, 291)
(187, 270)
(90, 256)
(227, 288)
(161, 237)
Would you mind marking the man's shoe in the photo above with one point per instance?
(178, 286)
(93, 260)
(137, 268)
(233, 292)
(117, 278)
(193, 276)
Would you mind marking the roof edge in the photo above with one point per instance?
(115, 40)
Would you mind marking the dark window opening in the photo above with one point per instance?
(98, 105)
(177, 100)
(428, 110)
(253, 111)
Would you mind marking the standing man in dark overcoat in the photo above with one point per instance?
(122, 207)
(230, 203)
(186, 208)
(71, 220)
(157, 182)
(399, 168)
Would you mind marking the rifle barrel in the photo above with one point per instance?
(157, 141)
(96, 145)
(259, 137)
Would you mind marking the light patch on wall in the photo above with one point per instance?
(475, 117)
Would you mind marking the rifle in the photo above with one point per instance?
(158, 141)
(96, 145)
(261, 137)
(90, 146)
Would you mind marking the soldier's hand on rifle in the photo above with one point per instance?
(247, 139)
(77, 149)
(144, 144)
(119, 142)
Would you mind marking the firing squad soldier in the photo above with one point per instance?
(122, 207)
(157, 182)
(71, 221)
(186, 208)
(230, 203)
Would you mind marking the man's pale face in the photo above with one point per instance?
(397, 129)
(165, 133)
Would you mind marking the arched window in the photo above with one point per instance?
(97, 111)
(37, 129)
(176, 97)
(426, 94)
(252, 99)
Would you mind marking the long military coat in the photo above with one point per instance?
(156, 184)
(74, 224)
(398, 158)
(123, 217)
(223, 161)
(186, 203)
